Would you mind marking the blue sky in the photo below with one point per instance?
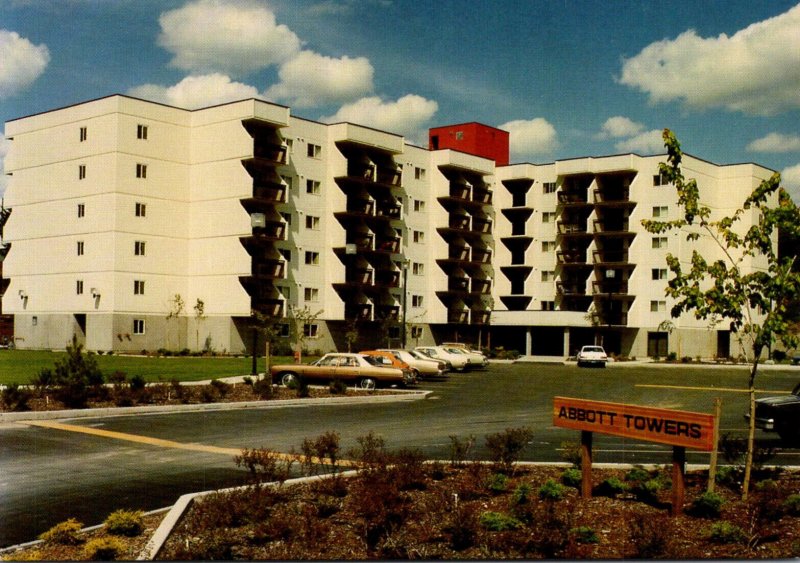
(566, 78)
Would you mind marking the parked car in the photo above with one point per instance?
(357, 369)
(796, 358)
(458, 361)
(780, 414)
(445, 363)
(388, 359)
(475, 359)
(592, 356)
(425, 368)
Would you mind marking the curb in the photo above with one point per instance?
(209, 407)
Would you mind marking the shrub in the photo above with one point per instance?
(572, 477)
(650, 536)
(672, 356)
(337, 387)
(505, 447)
(611, 487)
(409, 469)
(521, 494)
(584, 534)
(499, 522)
(125, 523)
(247, 380)
(460, 450)
(707, 505)
(551, 491)
(497, 483)
(302, 387)
(462, 526)
(726, 532)
(263, 388)
(16, 398)
(647, 491)
(571, 453)
(138, 383)
(729, 476)
(208, 394)
(75, 375)
(323, 449)
(103, 549)
(637, 474)
(264, 465)
(221, 387)
(64, 533)
(792, 504)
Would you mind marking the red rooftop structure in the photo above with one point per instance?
(472, 138)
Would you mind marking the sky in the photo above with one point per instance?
(566, 78)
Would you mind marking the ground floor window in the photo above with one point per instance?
(657, 344)
(138, 326)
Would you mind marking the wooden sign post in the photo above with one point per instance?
(680, 429)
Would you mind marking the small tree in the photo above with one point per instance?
(176, 308)
(351, 334)
(302, 318)
(270, 327)
(199, 317)
(754, 300)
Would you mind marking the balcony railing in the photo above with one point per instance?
(460, 222)
(274, 193)
(612, 194)
(611, 227)
(268, 307)
(571, 198)
(571, 256)
(606, 287)
(458, 253)
(571, 287)
(481, 286)
(482, 226)
(610, 256)
(270, 270)
(613, 319)
(270, 151)
(387, 278)
(358, 311)
(458, 317)
(480, 317)
(571, 228)
(359, 276)
(481, 256)
(387, 312)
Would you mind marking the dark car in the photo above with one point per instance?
(780, 414)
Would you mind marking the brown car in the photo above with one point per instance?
(358, 369)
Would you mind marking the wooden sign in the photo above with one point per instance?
(665, 426)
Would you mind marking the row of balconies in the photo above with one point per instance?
(577, 256)
(600, 227)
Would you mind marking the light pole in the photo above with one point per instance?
(405, 303)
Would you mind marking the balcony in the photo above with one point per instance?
(482, 226)
(270, 151)
(358, 311)
(273, 192)
(482, 256)
(267, 307)
(458, 284)
(387, 279)
(610, 287)
(613, 318)
(612, 228)
(572, 228)
(480, 317)
(274, 270)
(481, 286)
(458, 317)
(573, 199)
(610, 257)
(570, 287)
(571, 256)
(387, 312)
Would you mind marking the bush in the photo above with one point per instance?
(460, 450)
(128, 523)
(672, 356)
(521, 494)
(647, 491)
(103, 549)
(138, 383)
(247, 380)
(498, 522)
(497, 483)
(221, 387)
(551, 491)
(725, 532)
(337, 387)
(611, 487)
(571, 453)
(505, 447)
(707, 505)
(584, 534)
(637, 474)
(15, 398)
(302, 387)
(572, 477)
(263, 388)
(64, 533)
(792, 504)
(74, 376)
(650, 536)
(729, 476)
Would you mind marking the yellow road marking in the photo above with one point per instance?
(157, 441)
(723, 389)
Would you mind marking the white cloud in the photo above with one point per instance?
(619, 126)
(649, 142)
(22, 62)
(755, 71)
(225, 36)
(776, 142)
(406, 116)
(790, 179)
(310, 79)
(196, 91)
(530, 137)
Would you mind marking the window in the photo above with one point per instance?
(141, 209)
(314, 151)
(81, 171)
(80, 248)
(459, 135)
(138, 326)
(419, 205)
(79, 287)
(660, 211)
(416, 300)
(312, 222)
(34, 320)
(417, 268)
(138, 287)
(283, 330)
(141, 132)
(138, 248)
(311, 294)
(310, 330)
(548, 305)
(83, 134)
(81, 209)
(548, 245)
(286, 253)
(419, 173)
(312, 258)
(660, 180)
(419, 236)
(549, 187)
(141, 171)
(660, 242)
(416, 332)
(659, 273)
(658, 306)
(312, 187)
(549, 217)
(548, 275)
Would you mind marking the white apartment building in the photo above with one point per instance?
(138, 226)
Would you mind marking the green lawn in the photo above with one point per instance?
(19, 366)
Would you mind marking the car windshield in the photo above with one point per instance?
(593, 349)
(372, 360)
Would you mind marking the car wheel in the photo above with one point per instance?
(366, 383)
(288, 379)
